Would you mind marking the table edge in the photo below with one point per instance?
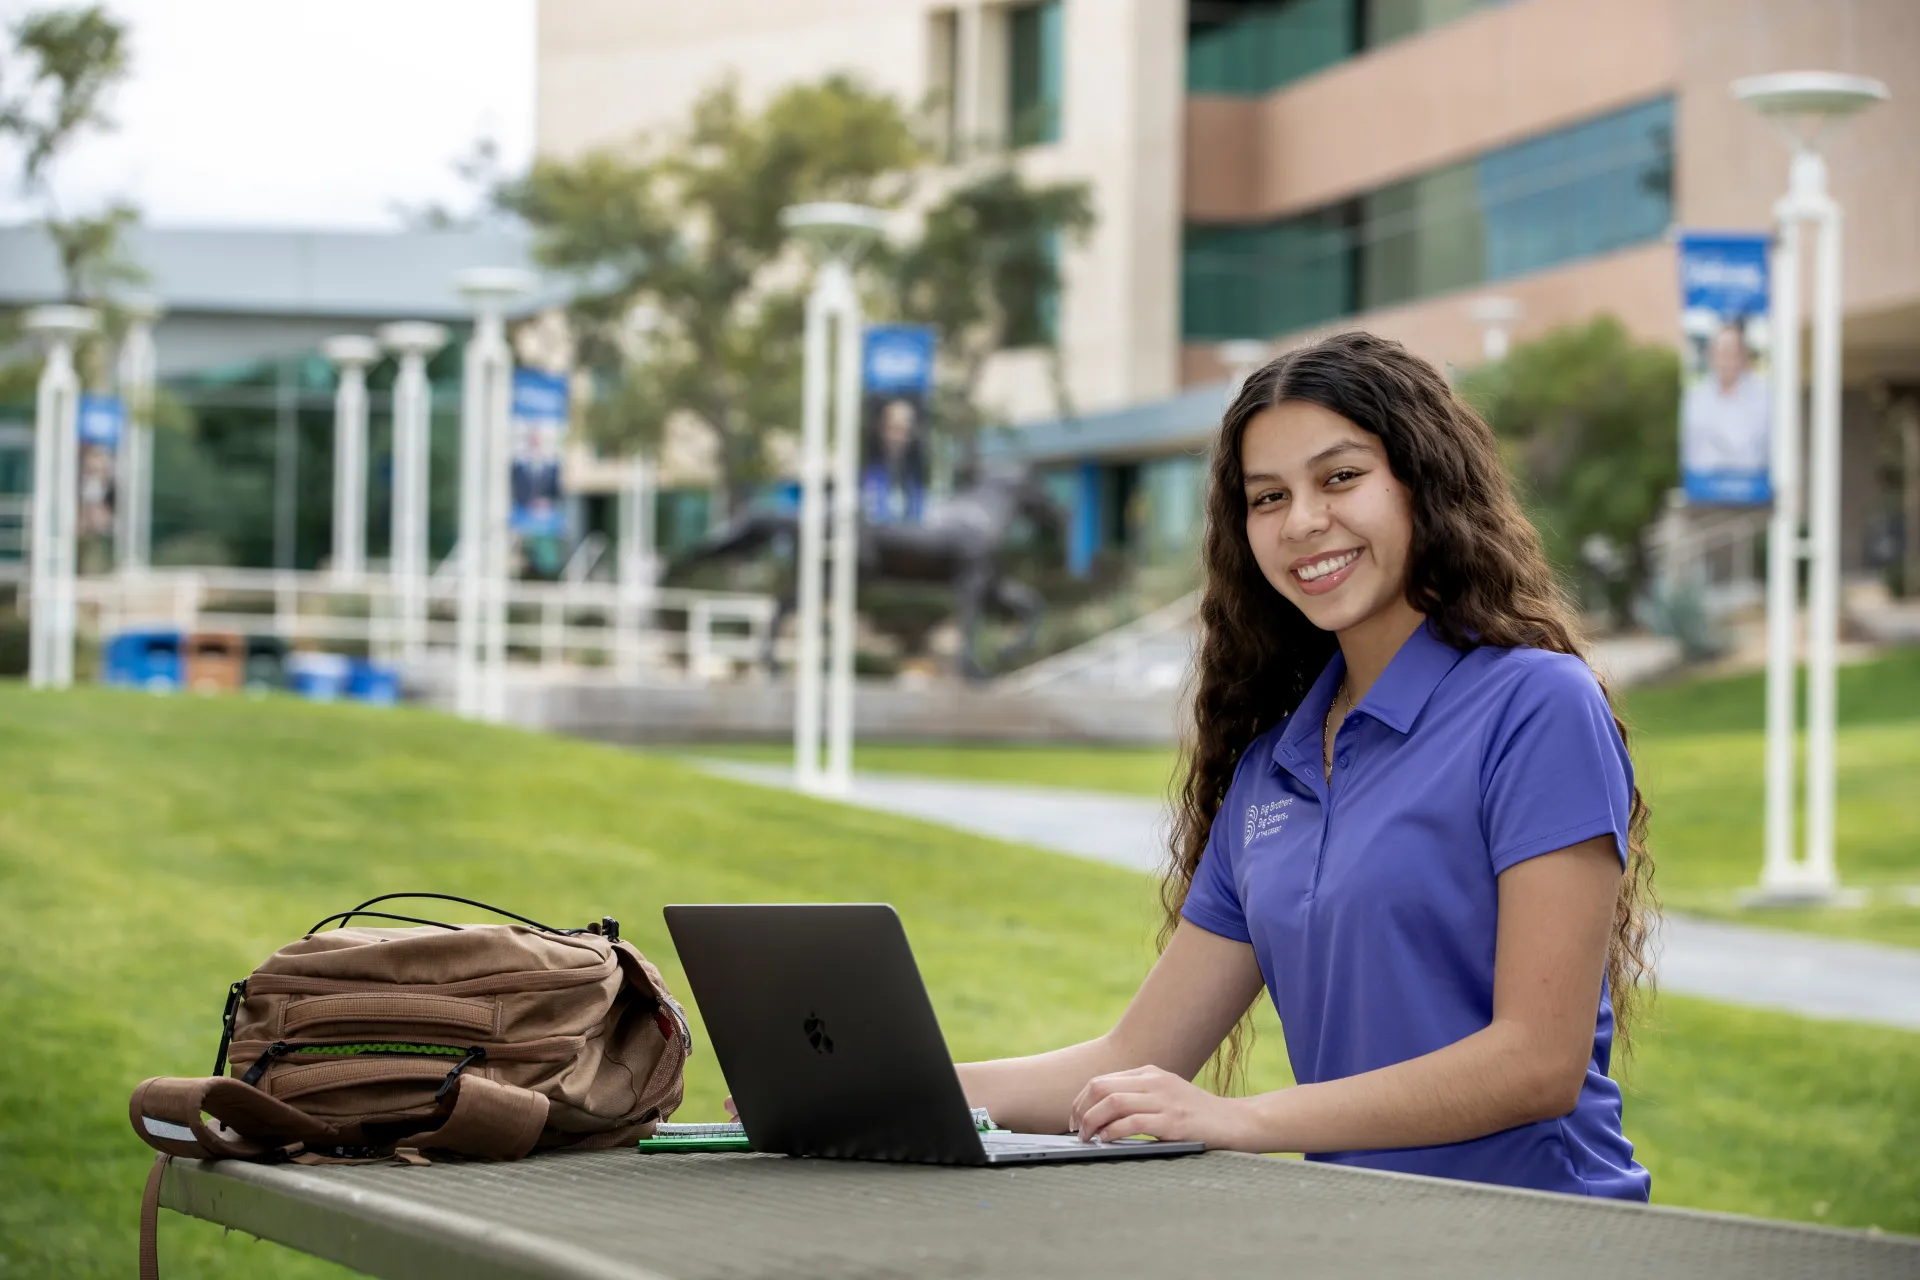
(374, 1233)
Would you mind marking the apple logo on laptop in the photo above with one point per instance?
(817, 1034)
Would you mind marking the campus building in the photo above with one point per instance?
(238, 346)
(1265, 170)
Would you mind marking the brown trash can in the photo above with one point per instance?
(216, 662)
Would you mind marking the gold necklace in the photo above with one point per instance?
(1328, 731)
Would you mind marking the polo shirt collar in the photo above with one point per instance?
(1402, 691)
(1396, 699)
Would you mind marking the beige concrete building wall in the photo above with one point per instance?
(609, 68)
(1124, 83)
(1477, 83)
(1524, 68)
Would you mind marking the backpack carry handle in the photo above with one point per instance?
(606, 927)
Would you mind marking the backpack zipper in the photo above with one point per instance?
(468, 1055)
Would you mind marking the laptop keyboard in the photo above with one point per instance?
(1005, 1138)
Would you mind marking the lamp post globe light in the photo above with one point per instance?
(413, 341)
(1495, 314)
(56, 451)
(837, 233)
(486, 406)
(1240, 357)
(133, 513)
(1805, 107)
(350, 353)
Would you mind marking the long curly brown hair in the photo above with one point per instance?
(1475, 568)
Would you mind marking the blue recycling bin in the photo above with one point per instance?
(143, 659)
(321, 677)
(373, 682)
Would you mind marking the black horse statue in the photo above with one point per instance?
(959, 545)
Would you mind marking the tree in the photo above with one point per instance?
(985, 273)
(67, 62)
(1588, 422)
(685, 229)
(690, 306)
(73, 58)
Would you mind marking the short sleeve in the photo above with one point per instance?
(1557, 772)
(1213, 901)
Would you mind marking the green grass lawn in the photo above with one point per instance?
(152, 850)
(1698, 748)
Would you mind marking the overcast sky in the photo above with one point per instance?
(304, 113)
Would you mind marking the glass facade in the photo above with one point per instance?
(1034, 73)
(1246, 49)
(1588, 189)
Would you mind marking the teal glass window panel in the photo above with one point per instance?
(1421, 237)
(1255, 281)
(1034, 80)
(1578, 192)
(1173, 510)
(1271, 45)
(1589, 189)
(1033, 307)
(1390, 20)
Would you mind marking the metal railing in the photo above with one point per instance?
(16, 517)
(643, 633)
(1712, 550)
(1148, 654)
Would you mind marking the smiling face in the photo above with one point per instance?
(1330, 526)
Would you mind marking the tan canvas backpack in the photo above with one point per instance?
(489, 1041)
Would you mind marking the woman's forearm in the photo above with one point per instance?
(1495, 1079)
(1035, 1094)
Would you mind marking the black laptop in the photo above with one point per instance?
(828, 1041)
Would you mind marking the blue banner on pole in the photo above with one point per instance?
(898, 357)
(101, 420)
(1726, 402)
(897, 374)
(539, 432)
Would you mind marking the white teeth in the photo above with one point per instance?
(1321, 568)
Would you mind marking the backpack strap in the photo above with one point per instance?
(489, 1120)
(150, 1220)
(169, 1113)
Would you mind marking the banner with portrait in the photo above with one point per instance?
(538, 434)
(102, 418)
(1726, 395)
(897, 378)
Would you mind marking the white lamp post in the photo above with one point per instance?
(133, 524)
(413, 341)
(350, 354)
(1805, 106)
(486, 541)
(56, 479)
(1495, 316)
(635, 565)
(838, 232)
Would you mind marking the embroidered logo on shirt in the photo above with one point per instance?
(1265, 819)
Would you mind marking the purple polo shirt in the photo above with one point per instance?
(1372, 906)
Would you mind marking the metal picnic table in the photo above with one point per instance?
(620, 1215)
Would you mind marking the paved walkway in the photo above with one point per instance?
(1761, 968)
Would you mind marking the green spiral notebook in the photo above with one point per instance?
(729, 1136)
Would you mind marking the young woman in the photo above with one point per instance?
(1409, 814)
